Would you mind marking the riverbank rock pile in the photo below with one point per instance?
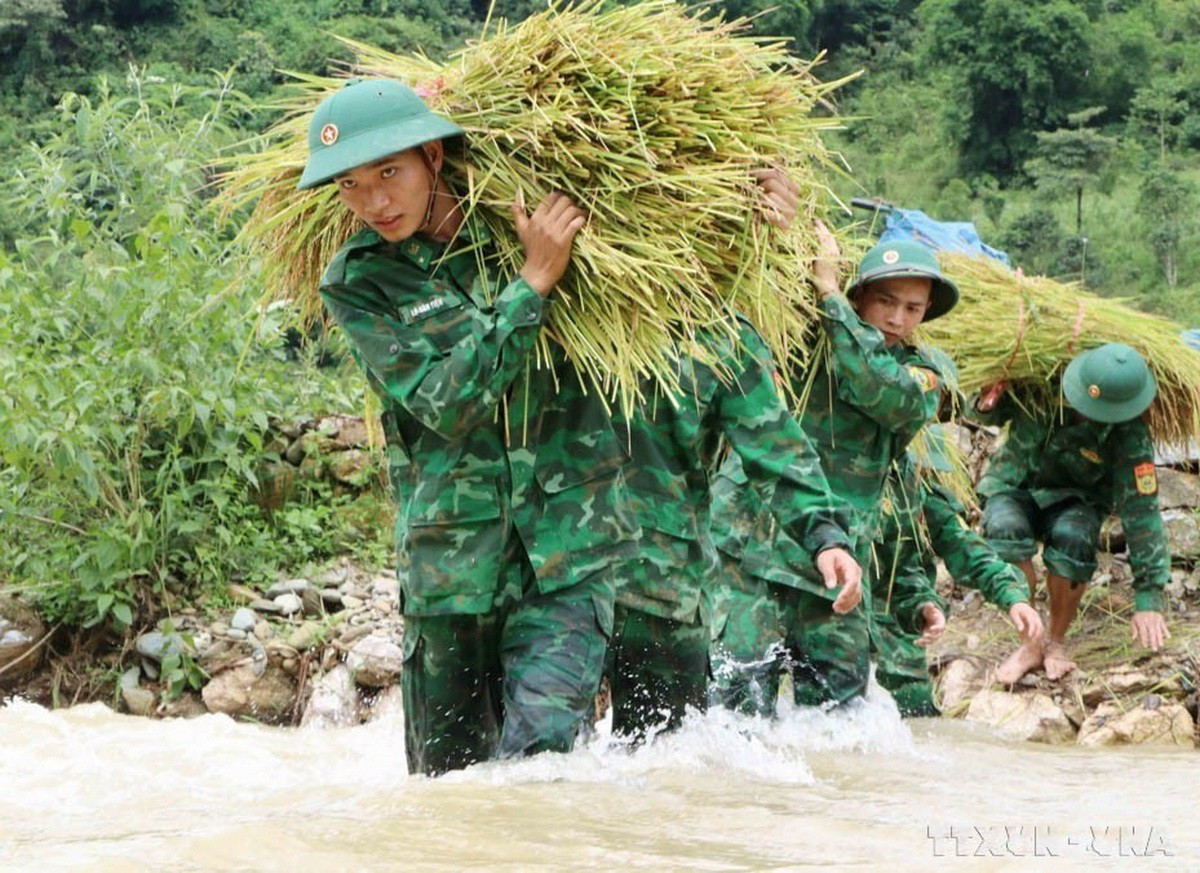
(334, 448)
(323, 651)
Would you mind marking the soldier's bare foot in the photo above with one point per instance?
(1056, 661)
(1027, 657)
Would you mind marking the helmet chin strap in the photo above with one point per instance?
(433, 183)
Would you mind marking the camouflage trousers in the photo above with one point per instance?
(1013, 524)
(770, 630)
(657, 668)
(514, 681)
(900, 667)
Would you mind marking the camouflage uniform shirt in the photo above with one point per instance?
(483, 443)
(674, 443)
(865, 404)
(921, 520)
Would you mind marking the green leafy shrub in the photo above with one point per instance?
(134, 400)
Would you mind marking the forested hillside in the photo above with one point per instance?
(1067, 129)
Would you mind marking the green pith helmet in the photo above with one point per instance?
(367, 120)
(1109, 384)
(908, 258)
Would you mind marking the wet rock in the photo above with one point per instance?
(238, 634)
(387, 705)
(959, 681)
(242, 691)
(1164, 724)
(1031, 717)
(244, 619)
(156, 645)
(287, 586)
(1177, 489)
(375, 662)
(138, 700)
(1126, 680)
(289, 604)
(186, 705)
(334, 701)
(20, 632)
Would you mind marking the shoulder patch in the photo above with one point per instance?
(1145, 478)
(1090, 455)
(923, 377)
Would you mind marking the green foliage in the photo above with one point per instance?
(1020, 65)
(179, 671)
(1168, 201)
(1035, 241)
(1070, 159)
(133, 408)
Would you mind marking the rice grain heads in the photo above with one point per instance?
(1024, 329)
(652, 118)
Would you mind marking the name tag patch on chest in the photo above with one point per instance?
(426, 308)
(1090, 455)
(1145, 478)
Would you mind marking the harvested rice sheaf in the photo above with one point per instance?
(1024, 329)
(651, 117)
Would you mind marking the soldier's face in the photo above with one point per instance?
(391, 195)
(894, 306)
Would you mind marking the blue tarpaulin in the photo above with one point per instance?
(1191, 337)
(951, 236)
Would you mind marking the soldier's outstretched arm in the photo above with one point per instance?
(968, 557)
(1135, 498)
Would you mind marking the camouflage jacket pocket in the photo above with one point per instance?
(442, 314)
(579, 458)
(453, 500)
(453, 544)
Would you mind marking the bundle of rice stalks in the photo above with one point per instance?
(651, 119)
(941, 461)
(1024, 329)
